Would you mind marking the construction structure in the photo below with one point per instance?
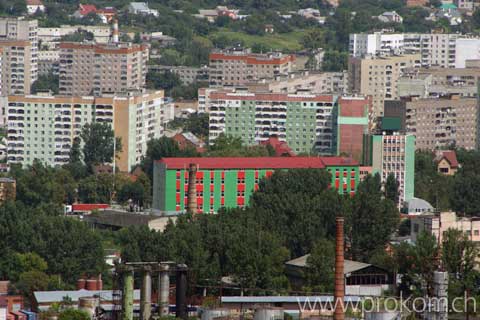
(148, 270)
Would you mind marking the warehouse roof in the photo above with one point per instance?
(284, 299)
(257, 163)
(57, 296)
(350, 265)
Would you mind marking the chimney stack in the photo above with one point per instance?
(192, 188)
(339, 295)
(115, 33)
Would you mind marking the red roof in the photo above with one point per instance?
(258, 163)
(34, 2)
(89, 206)
(281, 147)
(87, 8)
(451, 157)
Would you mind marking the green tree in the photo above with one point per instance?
(391, 188)
(73, 314)
(99, 144)
(321, 265)
(45, 83)
(75, 151)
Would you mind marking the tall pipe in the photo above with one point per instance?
(127, 294)
(339, 295)
(181, 292)
(146, 294)
(115, 32)
(192, 190)
(163, 290)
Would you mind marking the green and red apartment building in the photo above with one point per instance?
(229, 182)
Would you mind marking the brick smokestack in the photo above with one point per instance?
(192, 188)
(339, 295)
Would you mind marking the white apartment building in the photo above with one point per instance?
(43, 126)
(436, 49)
(51, 36)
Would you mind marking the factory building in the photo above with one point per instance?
(229, 182)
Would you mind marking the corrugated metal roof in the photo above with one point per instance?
(350, 265)
(57, 296)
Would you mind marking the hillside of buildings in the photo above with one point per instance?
(243, 156)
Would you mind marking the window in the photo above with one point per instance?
(241, 180)
(475, 232)
(415, 228)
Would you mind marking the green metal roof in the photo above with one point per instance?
(448, 6)
(391, 123)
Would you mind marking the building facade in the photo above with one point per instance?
(229, 182)
(353, 122)
(378, 76)
(393, 154)
(20, 29)
(237, 67)
(95, 69)
(304, 121)
(51, 37)
(43, 126)
(16, 71)
(451, 121)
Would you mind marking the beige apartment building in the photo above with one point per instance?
(378, 77)
(20, 29)
(16, 69)
(434, 82)
(444, 122)
(43, 126)
(95, 69)
(233, 68)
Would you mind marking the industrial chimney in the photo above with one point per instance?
(339, 295)
(192, 190)
(115, 36)
(181, 292)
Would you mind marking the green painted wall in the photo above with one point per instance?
(167, 189)
(409, 168)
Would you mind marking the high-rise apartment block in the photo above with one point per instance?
(304, 121)
(95, 69)
(393, 154)
(446, 50)
(446, 122)
(237, 67)
(437, 82)
(378, 76)
(16, 68)
(43, 126)
(20, 29)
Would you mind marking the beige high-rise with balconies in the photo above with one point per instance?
(95, 69)
(20, 29)
(238, 67)
(378, 77)
(16, 69)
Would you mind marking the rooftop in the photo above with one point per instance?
(258, 162)
(350, 265)
(450, 156)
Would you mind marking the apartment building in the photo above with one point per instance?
(436, 82)
(304, 121)
(393, 154)
(95, 69)
(43, 126)
(443, 50)
(237, 67)
(16, 69)
(48, 62)
(378, 76)
(51, 37)
(437, 224)
(352, 123)
(440, 123)
(229, 182)
(20, 29)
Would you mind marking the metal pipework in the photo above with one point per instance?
(127, 294)
(181, 292)
(339, 295)
(192, 190)
(163, 290)
(146, 294)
